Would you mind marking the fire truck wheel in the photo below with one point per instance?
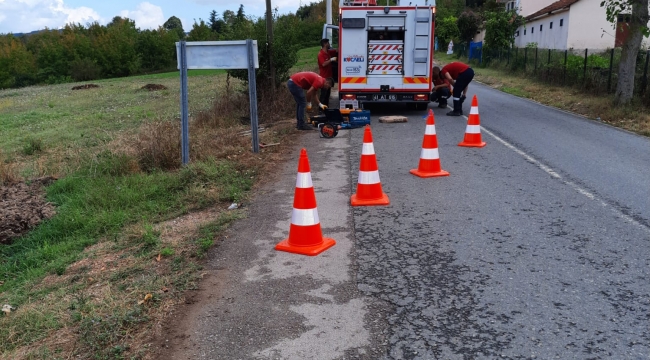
(329, 130)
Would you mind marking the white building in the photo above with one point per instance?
(566, 24)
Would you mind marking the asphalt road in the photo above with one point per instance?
(536, 246)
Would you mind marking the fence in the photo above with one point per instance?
(590, 69)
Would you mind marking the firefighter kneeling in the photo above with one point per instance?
(441, 90)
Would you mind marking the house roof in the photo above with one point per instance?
(558, 5)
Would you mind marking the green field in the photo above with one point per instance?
(111, 210)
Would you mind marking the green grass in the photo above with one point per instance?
(79, 120)
(307, 60)
(107, 208)
(176, 74)
(99, 202)
(515, 91)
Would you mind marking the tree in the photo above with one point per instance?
(469, 23)
(447, 30)
(447, 8)
(116, 49)
(201, 32)
(287, 33)
(638, 28)
(500, 27)
(229, 17)
(269, 41)
(175, 25)
(241, 15)
(216, 24)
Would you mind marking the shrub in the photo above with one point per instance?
(84, 69)
(32, 146)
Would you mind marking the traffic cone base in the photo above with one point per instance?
(383, 200)
(426, 174)
(305, 250)
(479, 144)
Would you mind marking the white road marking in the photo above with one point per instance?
(554, 174)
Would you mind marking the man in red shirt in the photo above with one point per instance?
(326, 58)
(311, 82)
(459, 75)
(441, 89)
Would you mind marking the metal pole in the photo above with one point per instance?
(609, 77)
(584, 69)
(252, 91)
(185, 128)
(328, 18)
(645, 72)
(525, 57)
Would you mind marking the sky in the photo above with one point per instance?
(19, 16)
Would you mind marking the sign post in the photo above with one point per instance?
(228, 55)
(185, 126)
(252, 92)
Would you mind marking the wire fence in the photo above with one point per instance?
(593, 70)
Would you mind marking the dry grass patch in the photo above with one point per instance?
(633, 117)
(107, 304)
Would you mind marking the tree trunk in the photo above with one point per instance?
(627, 67)
(269, 40)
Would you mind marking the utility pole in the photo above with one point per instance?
(269, 40)
(328, 18)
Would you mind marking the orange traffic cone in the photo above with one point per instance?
(369, 190)
(429, 158)
(305, 235)
(473, 130)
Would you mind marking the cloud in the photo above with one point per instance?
(29, 15)
(146, 16)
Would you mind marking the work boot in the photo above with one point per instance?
(442, 104)
(457, 109)
(306, 127)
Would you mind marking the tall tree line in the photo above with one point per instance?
(79, 53)
(119, 48)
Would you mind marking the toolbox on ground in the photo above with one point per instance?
(333, 120)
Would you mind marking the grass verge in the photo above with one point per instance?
(132, 226)
(634, 117)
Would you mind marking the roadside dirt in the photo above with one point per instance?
(86, 86)
(23, 206)
(154, 87)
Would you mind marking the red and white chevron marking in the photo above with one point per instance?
(384, 67)
(374, 58)
(385, 47)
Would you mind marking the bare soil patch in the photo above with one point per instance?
(154, 87)
(22, 207)
(85, 86)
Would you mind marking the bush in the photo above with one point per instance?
(447, 30)
(286, 37)
(84, 70)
